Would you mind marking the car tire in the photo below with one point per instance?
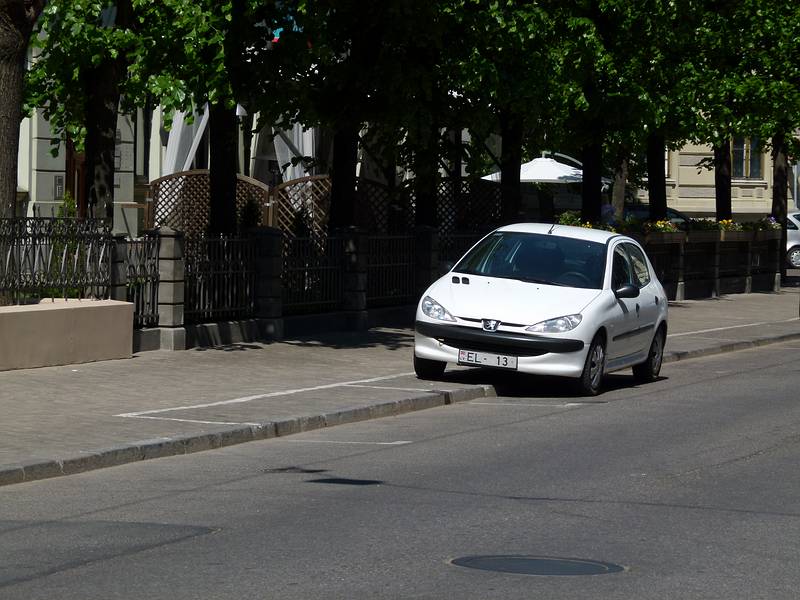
(591, 379)
(428, 369)
(649, 369)
(793, 257)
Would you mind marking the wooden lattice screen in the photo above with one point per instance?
(382, 209)
(181, 201)
(301, 207)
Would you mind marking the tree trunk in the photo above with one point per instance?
(223, 140)
(722, 180)
(102, 84)
(510, 161)
(343, 177)
(16, 24)
(102, 102)
(780, 186)
(656, 177)
(426, 161)
(592, 158)
(618, 194)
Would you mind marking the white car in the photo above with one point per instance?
(546, 299)
(793, 240)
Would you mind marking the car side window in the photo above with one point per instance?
(641, 274)
(790, 224)
(621, 269)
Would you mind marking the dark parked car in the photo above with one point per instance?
(641, 212)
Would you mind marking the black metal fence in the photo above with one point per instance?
(220, 279)
(391, 272)
(54, 258)
(313, 275)
(143, 279)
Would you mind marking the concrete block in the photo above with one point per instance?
(170, 270)
(64, 332)
(170, 315)
(173, 338)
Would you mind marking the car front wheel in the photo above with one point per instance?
(428, 369)
(650, 368)
(793, 257)
(593, 370)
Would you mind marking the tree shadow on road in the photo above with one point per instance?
(391, 339)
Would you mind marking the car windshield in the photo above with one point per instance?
(538, 258)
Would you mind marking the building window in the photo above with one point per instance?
(746, 159)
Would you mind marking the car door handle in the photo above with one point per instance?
(637, 310)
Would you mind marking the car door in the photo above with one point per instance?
(648, 302)
(623, 323)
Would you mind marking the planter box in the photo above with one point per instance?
(767, 234)
(736, 236)
(703, 237)
(665, 237)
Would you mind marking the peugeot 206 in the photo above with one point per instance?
(547, 300)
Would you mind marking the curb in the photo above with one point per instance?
(230, 436)
(670, 357)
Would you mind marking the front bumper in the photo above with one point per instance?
(499, 342)
(538, 355)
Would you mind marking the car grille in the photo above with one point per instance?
(489, 347)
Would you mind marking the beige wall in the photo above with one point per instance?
(690, 188)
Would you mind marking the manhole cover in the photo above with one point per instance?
(537, 565)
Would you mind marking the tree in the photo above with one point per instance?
(77, 80)
(344, 64)
(505, 79)
(17, 18)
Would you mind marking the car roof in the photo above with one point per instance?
(580, 233)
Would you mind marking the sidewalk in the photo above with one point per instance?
(63, 420)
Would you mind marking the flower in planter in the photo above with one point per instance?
(763, 224)
(704, 225)
(730, 225)
(663, 226)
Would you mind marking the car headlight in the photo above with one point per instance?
(558, 325)
(434, 310)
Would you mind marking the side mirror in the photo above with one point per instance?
(445, 267)
(627, 291)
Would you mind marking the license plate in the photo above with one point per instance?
(487, 359)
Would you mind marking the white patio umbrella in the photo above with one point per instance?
(544, 170)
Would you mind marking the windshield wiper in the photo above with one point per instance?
(534, 280)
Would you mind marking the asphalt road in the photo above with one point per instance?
(690, 484)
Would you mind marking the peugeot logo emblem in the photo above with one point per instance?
(490, 325)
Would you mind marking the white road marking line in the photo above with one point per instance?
(190, 420)
(244, 399)
(731, 327)
(398, 443)
(386, 387)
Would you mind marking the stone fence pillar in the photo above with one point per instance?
(171, 289)
(269, 243)
(355, 278)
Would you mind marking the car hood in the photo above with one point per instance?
(508, 300)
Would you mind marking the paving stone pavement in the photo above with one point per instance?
(61, 420)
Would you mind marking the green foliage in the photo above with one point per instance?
(576, 72)
(68, 207)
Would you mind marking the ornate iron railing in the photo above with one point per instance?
(142, 287)
(52, 258)
(391, 272)
(313, 275)
(220, 279)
